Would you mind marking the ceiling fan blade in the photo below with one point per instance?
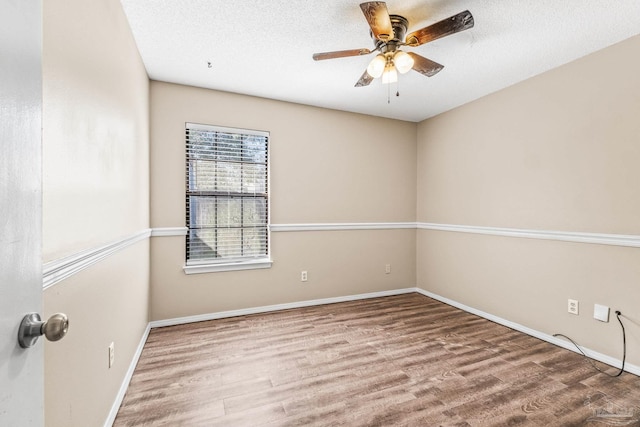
(461, 21)
(365, 80)
(425, 66)
(340, 54)
(378, 18)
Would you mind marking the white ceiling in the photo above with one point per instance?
(263, 48)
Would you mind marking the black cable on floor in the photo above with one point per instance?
(624, 349)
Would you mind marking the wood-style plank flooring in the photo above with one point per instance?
(403, 360)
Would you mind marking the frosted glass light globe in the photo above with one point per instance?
(403, 61)
(390, 74)
(376, 66)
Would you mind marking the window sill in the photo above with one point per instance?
(229, 266)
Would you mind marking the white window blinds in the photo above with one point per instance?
(226, 194)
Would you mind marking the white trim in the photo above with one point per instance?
(200, 126)
(227, 266)
(564, 236)
(277, 307)
(127, 379)
(55, 271)
(628, 240)
(168, 231)
(634, 369)
(343, 226)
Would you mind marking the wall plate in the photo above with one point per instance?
(601, 312)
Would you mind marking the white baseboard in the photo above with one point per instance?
(277, 307)
(532, 332)
(127, 379)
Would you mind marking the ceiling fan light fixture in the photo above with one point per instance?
(376, 66)
(403, 61)
(389, 34)
(390, 74)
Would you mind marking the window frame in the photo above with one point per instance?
(227, 264)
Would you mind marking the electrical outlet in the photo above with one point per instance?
(572, 306)
(112, 354)
(387, 269)
(303, 276)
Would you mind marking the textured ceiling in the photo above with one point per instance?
(264, 48)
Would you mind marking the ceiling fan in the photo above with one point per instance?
(388, 34)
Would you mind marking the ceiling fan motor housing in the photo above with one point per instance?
(399, 25)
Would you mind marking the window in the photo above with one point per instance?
(227, 204)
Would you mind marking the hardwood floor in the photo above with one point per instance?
(404, 360)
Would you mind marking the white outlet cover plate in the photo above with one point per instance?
(601, 312)
(112, 354)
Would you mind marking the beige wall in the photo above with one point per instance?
(95, 124)
(105, 303)
(326, 167)
(557, 152)
(95, 191)
(339, 263)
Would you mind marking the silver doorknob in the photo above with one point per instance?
(32, 327)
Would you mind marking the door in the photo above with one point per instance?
(21, 371)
